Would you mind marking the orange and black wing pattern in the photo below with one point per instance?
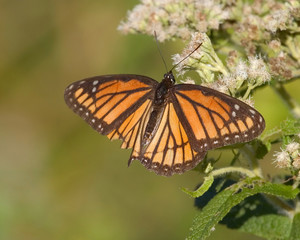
(169, 150)
(213, 119)
(114, 105)
(169, 127)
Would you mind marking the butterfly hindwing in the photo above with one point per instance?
(213, 119)
(112, 104)
(169, 150)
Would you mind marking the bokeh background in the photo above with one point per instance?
(59, 179)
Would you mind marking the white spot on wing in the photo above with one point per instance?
(237, 107)
(252, 111)
(233, 114)
(71, 86)
(94, 89)
(95, 82)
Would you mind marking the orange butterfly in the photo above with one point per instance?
(170, 127)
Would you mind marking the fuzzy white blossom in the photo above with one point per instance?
(292, 147)
(241, 70)
(282, 159)
(188, 80)
(277, 20)
(174, 18)
(258, 70)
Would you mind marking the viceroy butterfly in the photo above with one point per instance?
(169, 126)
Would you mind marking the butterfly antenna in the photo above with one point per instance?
(186, 57)
(160, 51)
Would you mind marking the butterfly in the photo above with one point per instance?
(169, 126)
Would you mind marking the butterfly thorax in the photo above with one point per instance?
(163, 88)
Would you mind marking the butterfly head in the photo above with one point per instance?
(169, 78)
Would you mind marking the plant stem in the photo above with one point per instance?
(297, 181)
(249, 153)
(280, 204)
(249, 89)
(240, 170)
(290, 102)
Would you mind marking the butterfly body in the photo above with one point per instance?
(159, 102)
(169, 126)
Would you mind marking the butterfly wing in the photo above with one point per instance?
(169, 150)
(212, 119)
(114, 105)
(194, 119)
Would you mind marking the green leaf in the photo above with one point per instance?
(256, 205)
(295, 232)
(268, 226)
(208, 181)
(290, 127)
(274, 227)
(261, 149)
(221, 204)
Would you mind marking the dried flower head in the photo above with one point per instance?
(277, 20)
(296, 162)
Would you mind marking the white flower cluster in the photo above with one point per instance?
(213, 73)
(174, 18)
(277, 20)
(288, 157)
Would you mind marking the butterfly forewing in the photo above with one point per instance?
(112, 104)
(213, 119)
(132, 129)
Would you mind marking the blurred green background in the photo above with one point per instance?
(59, 179)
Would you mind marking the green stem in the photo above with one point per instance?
(271, 134)
(280, 204)
(297, 181)
(249, 153)
(249, 89)
(240, 170)
(290, 102)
